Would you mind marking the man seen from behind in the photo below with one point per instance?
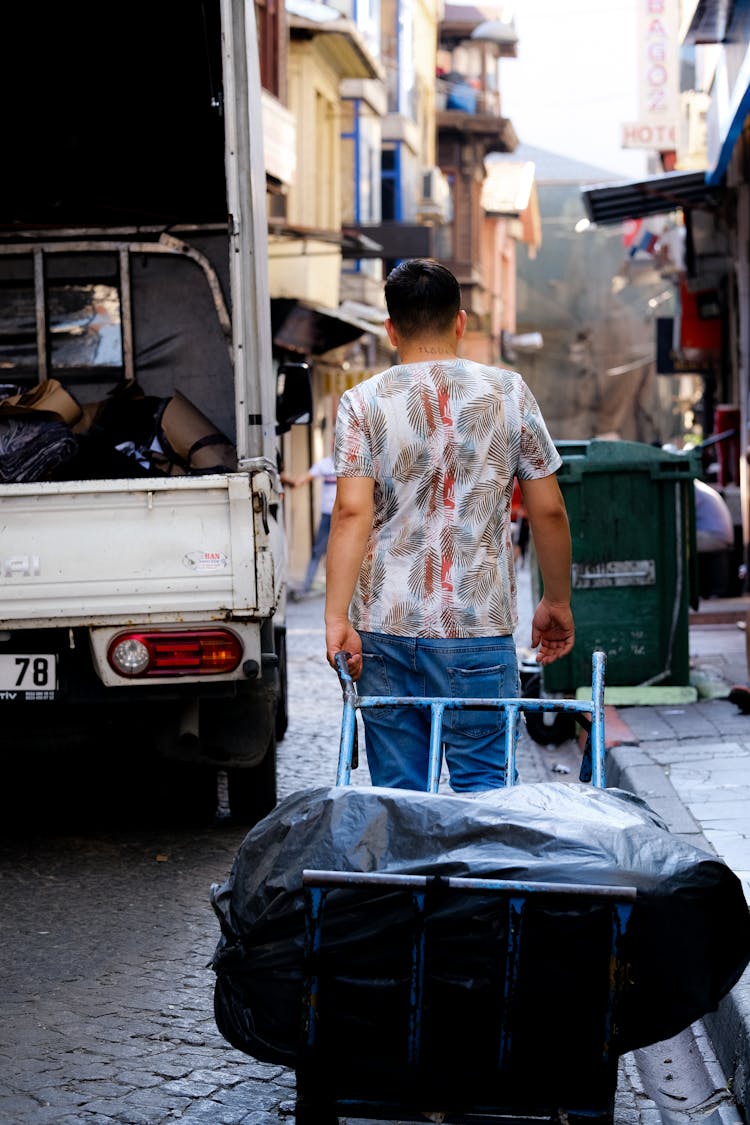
(420, 575)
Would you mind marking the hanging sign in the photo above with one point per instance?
(658, 70)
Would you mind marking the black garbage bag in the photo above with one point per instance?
(687, 944)
(33, 445)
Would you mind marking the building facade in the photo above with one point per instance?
(708, 188)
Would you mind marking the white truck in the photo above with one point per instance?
(142, 542)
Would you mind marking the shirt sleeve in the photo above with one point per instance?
(539, 456)
(352, 456)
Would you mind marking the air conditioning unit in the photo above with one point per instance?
(511, 343)
(435, 200)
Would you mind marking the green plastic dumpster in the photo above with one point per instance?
(631, 508)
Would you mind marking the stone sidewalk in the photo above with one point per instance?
(691, 763)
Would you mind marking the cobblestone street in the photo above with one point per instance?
(106, 1011)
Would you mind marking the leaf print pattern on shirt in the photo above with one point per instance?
(404, 619)
(449, 377)
(500, 451)
(478, 420)
(424, 575)
(422, 409)
(411, 462)
(394, 381)
(372, 578)
(407, 542)
(443, 441)
(457, 544)
(477, 583)
(428, 492)
(386, 503)
(479, 505)
(453, 623)
(460, 462)
(378, 428)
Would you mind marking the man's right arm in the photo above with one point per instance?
(351, 522)
(552, 627)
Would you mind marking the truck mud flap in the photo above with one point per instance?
(237, 732)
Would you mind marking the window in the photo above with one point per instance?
(80, 319)
(389, 195)
(267, 20)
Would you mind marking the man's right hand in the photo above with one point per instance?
(341, 636)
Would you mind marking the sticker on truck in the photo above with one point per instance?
(205, 560)
(28, 676)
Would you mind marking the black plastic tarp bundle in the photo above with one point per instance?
(33, 445)
(687, 943)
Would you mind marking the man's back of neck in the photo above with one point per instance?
(425, 351)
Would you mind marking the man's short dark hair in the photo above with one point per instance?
(422, 297)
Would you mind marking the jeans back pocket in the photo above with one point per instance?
(492, 682)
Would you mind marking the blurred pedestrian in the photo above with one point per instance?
(323, 471)
(714, 526)
(714, 532)
(420, 553)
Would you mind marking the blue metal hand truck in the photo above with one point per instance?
(522, 1027)
(592, 765)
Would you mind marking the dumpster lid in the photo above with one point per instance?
(604, 455)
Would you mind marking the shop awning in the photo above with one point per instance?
(706, 21)
(657, 195)
(507, 186)
(307, 329)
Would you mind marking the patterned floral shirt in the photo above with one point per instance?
(443, 441)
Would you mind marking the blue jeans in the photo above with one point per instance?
(397, 739)
(320, 546)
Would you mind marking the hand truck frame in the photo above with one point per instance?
(486, 1067)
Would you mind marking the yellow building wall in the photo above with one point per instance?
(309, 268)
(427, 13)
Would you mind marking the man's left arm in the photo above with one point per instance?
(351, 523)
(552, 626)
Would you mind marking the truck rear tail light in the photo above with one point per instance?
(202, 652)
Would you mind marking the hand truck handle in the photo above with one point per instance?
(349, 726)
(341, 660)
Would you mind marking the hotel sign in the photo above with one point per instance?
(659, 86)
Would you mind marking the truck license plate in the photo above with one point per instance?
(27, 676)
